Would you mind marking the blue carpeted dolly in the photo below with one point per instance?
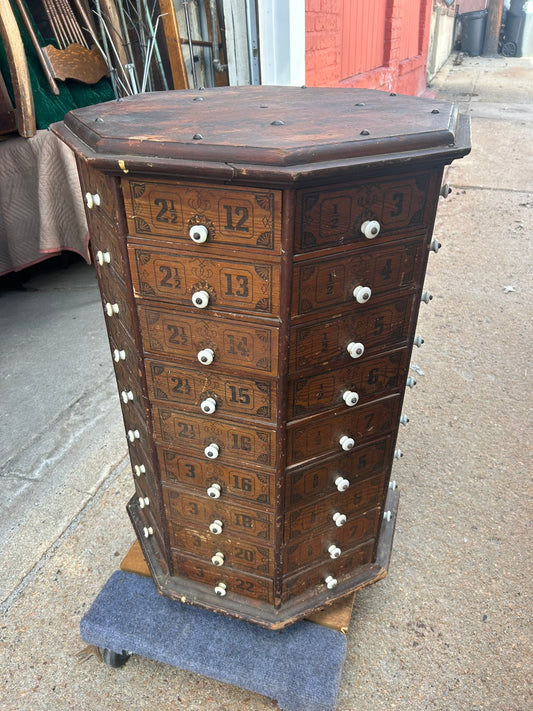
(300, 666)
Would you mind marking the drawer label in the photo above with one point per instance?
(232, 216)
(160, 274)
(234, 396)
(331, 217)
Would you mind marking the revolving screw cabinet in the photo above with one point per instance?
(261, 253)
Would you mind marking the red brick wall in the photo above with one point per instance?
(339, 39)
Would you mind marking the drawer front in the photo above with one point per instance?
(146, 500)
(329, 218)
(322, 435)
(230, 285)
(236, 396)
(236, 584)
(340, 569)
(319, 549)
(330, 283)
(310, 483)
(142, 470)
(240, 555)
(97, 183)
(234, 440)
(199, 512)
(105, 247)
(116, 307)
(373, 377)
(326, 342)
(234, 344)
(234, 218)
(125, 359)
(234, 482)
(358, 499)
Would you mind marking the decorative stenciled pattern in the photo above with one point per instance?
(234, 218)
(230, 285)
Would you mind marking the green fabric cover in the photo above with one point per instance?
(72, 94)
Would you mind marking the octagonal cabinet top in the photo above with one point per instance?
(254, 133)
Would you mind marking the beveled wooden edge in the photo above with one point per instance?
(257, 612)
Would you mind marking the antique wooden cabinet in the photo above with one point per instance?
(261, 254)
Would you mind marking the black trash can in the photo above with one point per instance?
(517, 40)
(473, 32)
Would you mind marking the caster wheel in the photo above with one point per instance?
(114, 659)
(509, 49)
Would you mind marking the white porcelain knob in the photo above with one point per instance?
(347, 443)
(339, 518)
(211, 451)
(341, 483)
(334, 551)
(111, 309)
(393, 485)
(216, 527)
(435, 245)
(103, 258)
(355, 349)
(387, 515)
(198, 233)
(133, 435)
(404, 420)
(206, 356)
(214, 491)
(209, 405)
(410, 382)
(350, 397)
(418, 341)
(370, 228)
(426, 297)
(119, 355)
(139, 469)
(148, 531)
(398, 454)
(127, 396)
(362, 294)
(143, 501)
(445, 190)
(218, 558)
(220, 589)
(331, 582)
(92, 200)
(200, 299)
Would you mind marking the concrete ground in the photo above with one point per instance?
(450, 627)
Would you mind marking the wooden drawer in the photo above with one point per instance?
(238, 554)
(403, 206)
(235, 219)
(188, 387)
(364, 496)
(320, 436)
(126, 362)
(105, 248)
(236, 583)
(234, 482)
(116, 307)
(147, 500)
(370, 378)
(330, 283)
(105, 187)
(315, 577)
(136, 429)
(142, 470)
(312, 482)
(230, 285)
(235, 344)
(326, 342)
(193, 434)
(200, 511)
(308, 551)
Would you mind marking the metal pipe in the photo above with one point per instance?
(217, 64)
(185, 4)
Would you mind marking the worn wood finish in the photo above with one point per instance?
(261, 389)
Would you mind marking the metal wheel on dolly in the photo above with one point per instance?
(114, 659)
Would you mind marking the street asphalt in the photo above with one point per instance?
(450, 628)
